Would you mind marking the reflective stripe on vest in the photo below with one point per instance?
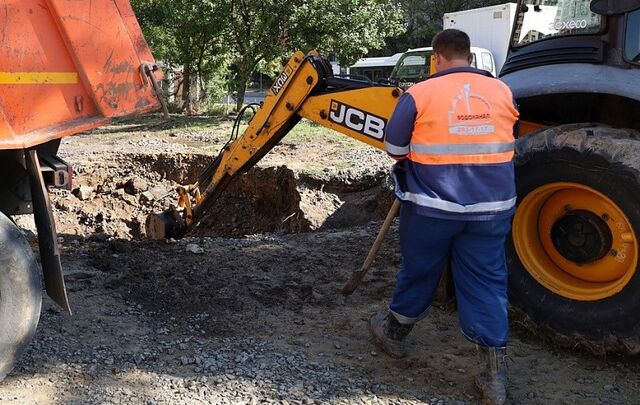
(463, 148)
(396, 150)
(448, 206)
(462, 118)
(462, 153)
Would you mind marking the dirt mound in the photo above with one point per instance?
(113, 196)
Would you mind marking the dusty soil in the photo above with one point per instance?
(248, 310)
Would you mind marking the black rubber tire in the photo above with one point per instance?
(604, 159)
(20, 295)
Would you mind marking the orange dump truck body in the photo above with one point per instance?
(67, 66)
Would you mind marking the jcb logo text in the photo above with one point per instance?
(357, 120)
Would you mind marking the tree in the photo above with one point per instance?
(187, 33)
(424, 20)
(202, 35)
(258, 31)
(205, 37)
(264, 30)
(347, 28)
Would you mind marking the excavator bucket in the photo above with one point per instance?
(67, 66)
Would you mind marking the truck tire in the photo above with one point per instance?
(20, 295)
(573, 251)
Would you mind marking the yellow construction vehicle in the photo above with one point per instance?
(574, 66)
(573, 254)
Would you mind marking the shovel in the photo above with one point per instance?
(357, 276)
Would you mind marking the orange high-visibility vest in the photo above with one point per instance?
(462, 118)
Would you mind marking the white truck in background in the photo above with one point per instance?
(487, 27)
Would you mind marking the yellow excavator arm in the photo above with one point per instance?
(305, 88)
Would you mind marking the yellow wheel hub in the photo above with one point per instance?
(575, 241)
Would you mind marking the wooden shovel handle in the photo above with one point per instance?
(357, 276)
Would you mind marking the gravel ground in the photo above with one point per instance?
(135, 340)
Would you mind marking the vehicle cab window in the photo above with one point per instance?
(411, 68)
(632, 40)
(554, 18)
(487, 61)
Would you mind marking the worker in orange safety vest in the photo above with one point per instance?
(453, 137)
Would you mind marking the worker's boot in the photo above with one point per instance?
(389, 334)
(492, 381)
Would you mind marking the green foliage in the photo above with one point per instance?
(216, 109)
(256, 32)
(347, 28)
(215, 78)
(223, 42)
(264, 31)
(181, 31)
(186, 33)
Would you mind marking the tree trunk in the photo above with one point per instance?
(186, 89)
(241, 90)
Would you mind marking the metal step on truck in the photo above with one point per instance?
(66, 66)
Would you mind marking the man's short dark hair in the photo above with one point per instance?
(452, 44)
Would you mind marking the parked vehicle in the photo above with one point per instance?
(415, 65)
(375, 69)
(65, 67)
(574, 68)
(488, 27)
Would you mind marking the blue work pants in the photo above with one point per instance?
(476, 250)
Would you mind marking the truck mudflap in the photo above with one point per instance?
(67, 66)
(47, 237)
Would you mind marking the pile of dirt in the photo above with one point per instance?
(113, 195)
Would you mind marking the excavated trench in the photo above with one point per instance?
(112, 197)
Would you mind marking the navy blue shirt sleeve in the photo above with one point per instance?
(400, 127)
(516, 126)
